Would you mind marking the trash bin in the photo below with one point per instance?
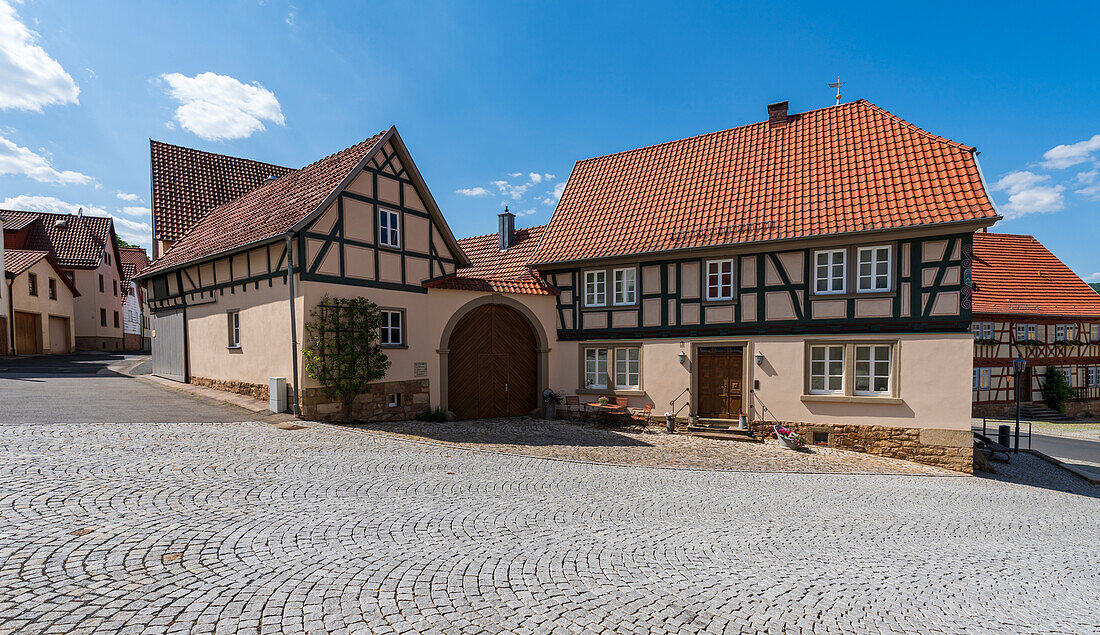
(1004, 435)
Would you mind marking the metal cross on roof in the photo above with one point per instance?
(837, 84)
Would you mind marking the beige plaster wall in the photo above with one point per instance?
(933, 381)
(41, 304)
(87, 305)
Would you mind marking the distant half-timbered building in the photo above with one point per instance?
(1030, 305)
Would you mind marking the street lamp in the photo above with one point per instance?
(1019, 365)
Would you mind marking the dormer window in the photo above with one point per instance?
(388, 230)
(720, 280)
(830, 268)
(595, 288)
(626, 291)
(874, 269)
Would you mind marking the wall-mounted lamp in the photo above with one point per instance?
(759, 358)
(683, 357)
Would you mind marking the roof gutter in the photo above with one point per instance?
(293, 321)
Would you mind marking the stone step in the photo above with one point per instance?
(724, 435)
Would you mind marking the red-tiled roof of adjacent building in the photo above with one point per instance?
(14, 220)
(498, 271)
(75, 241)
(188, 183)
(1016, 274)
(17, 261)
(266, 211)
(847, 168)
(134, 259)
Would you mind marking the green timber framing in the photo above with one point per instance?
(956, 254)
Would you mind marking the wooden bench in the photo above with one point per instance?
(991, 448)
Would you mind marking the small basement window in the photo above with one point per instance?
(819, 437)
(395, 400)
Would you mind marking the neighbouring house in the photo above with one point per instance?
(40, 301)
(811, 270)
(1028, 304)
(5, 333)
(135, 308)
(86, 249)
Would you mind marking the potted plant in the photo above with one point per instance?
(789, 438)
(551, 400)
(603, 401)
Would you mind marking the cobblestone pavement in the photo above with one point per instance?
(244, 527)
(651, 447)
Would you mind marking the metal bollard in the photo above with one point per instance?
(670, 423)
(1004, 435)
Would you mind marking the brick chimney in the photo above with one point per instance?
(507, 229)
(777, 113)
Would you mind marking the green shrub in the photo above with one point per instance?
(432, 415)
(1056, 389)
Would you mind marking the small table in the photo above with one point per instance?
(605, 413)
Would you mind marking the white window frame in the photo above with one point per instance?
(1095, 334)
(716, 290)
(594, 378)
(1068, 372)
(1030, 331)
(982, 377)
(386, 331)
(830, 276)
(827, 360)
(234, 317)
(624, 364)
(982, 330)
(872, 278)
(394, 400)
(594, 296)
(872, 373)
(1092, 377)
(1065, 332)
(623, 295)
(385, 231)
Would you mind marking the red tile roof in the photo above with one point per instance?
(495, 271)
(1017, 274)
(134, 259)
(188, 183)
(17, 261)
(14, 221)
(75, 241)
(267, 211)
(847, 168)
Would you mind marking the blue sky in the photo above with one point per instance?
(496, 101)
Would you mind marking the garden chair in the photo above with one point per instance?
(643, 417)
(573, 405)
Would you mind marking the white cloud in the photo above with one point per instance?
(509, 189)
(292, 15)
(535, 177)
(1095, 277)
(124, 196)
(473, 191)
(1063, 156)
(554, 196)
(218, 107)
(1028, 195)
(15, 159)
(1090, 184)
(30, 78)
(137, 211)
(526, 212)
(134, 231)
(515, 175)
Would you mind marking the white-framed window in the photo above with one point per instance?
(1093, 376)
(827, 369)
(830, 269)
(627, 368)
(595, 288)
(1026, 332)
(1095, 333)
(873, 273)
(1065, 332)
(981, 378)
(626, 285)
(595, 368)
(394, 400)
(982, 330)
(874, 366)
(720, 279)
(234, 319)
(392, 333)
(389, 232)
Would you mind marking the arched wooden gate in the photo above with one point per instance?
(493, 364)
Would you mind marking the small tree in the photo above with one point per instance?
(1056, 389)
(343, 352)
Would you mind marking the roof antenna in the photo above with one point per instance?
(837, 84)
(80, 212)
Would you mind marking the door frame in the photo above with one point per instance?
(746, 371)
(542, 343)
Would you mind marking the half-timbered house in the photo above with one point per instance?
(812, 269)
(1028, 304)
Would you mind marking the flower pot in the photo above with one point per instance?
(551, 411)
(783, 441)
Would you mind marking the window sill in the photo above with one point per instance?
(609, 391)
(233, 348)
(392, 346)
(893, 401)
(869, 295)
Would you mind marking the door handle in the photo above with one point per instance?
(505, 386)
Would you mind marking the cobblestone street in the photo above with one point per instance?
(246, 527)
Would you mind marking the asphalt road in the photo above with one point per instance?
(81, 389)
(1067, 448)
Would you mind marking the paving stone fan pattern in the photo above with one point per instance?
(200, 528)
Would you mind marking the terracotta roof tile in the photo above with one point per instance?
(74, 241)
(846, 168)
(134, 259)
(1017, 274)
(267, 211)
(188, 183)
(496, 271)
(14, 221)
(17, 261)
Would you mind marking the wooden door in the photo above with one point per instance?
(28, 334)
(719, 382)
(1025, 385)
(170, 344)
(4, 336)
(492, 366)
